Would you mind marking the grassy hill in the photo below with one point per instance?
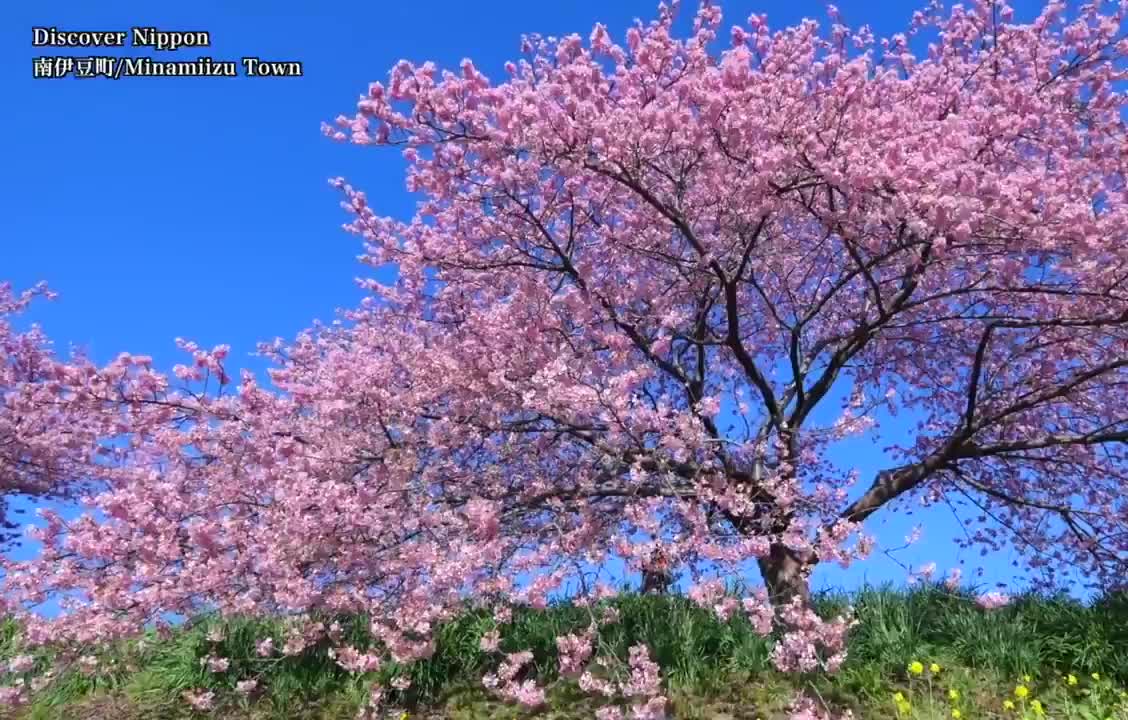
(1069, 657)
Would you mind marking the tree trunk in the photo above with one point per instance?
(655, 582)
(786, 575)
(656, 576)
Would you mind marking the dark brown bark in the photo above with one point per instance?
(655, 582)
(786, 575)
(656, 576)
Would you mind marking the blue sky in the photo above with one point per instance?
(199, 208)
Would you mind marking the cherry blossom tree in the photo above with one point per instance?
(42, 447)
(674, 230)
(647, 290)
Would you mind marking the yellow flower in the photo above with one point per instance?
(898, 697)
(953, 694)
(1021, 691)
(934, 668)
(1036, 706)
(956, 713)
(1008, 705)
(1071, 679)
(915, 667)
(1096, 676)
(1026, 678)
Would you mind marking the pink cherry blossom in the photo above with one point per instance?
(490, 640)
(952, 582)
(12, 695)
(201, 700)
(645, 678)
(575, 650)
(992, 600)
(21, 663)
(810, 642)
(355, 661)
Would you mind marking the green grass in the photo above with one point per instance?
(712, 668)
